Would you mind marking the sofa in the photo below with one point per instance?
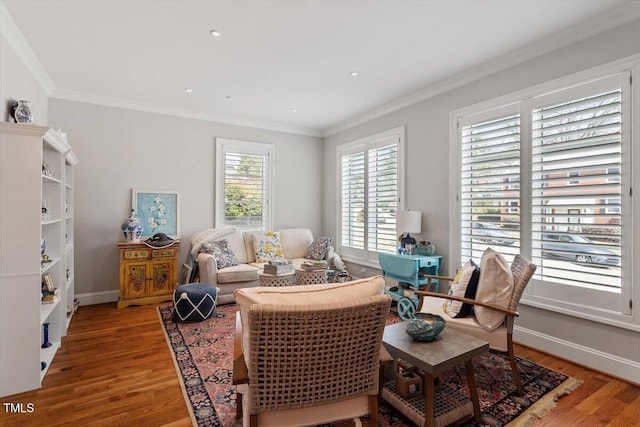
(296, 245)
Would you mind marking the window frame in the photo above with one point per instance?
(365, 256)
(624, 316)
(243, 147)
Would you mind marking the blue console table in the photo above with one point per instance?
(409, 271)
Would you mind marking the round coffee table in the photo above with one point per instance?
(286, 279)
(313, 277)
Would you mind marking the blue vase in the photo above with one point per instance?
(43, 246)
(132, 228)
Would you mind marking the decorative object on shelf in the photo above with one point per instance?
(45, 170)
(45, 336)
(409, 222)
(425, 247)
(425, 326)
(159, 240)
(43, 246)
(159, 211)
(132, 228)
(48, 286)
(22, 112)
(45, 259)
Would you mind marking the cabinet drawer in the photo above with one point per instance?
(163, 253)
(135, 254)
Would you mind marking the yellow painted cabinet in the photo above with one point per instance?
(147, 275)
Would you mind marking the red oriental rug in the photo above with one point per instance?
(203, 355)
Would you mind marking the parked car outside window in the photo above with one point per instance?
(492, 234)
(577, 248)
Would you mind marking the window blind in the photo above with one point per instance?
(490, 186)
(244, 190)
(383, 198)
(576, 189)
(353, 200)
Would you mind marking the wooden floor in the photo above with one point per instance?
(114, 368)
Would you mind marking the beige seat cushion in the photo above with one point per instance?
(497, 339)
(305, 295)
(238, 273)
(495, 287)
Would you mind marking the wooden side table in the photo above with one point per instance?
(147, 275)
(313, 277)
(449, 349)
(286, 279)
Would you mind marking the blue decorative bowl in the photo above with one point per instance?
(425, 326)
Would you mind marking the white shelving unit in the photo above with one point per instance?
(35, 203)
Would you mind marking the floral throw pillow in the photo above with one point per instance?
(319, 248)
(220, 250)
(268, 247)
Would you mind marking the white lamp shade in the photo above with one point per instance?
(409, 221)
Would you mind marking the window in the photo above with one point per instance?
(243, 184)
(548, 175)
(370, 188)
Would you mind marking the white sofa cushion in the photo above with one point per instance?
(238, 273)
(295, 242)
(494, 287)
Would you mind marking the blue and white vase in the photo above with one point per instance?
(22, 112)
(132, 228)
(43, 246)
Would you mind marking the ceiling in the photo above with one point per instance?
(274, 57)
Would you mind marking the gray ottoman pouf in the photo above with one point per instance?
(194, 302)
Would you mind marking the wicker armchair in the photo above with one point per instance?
(309, 364)
(501, 339)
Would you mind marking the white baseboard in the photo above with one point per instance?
(616, 366)
(98, 297)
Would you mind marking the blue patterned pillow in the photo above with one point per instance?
(220, 250)
(319, 248)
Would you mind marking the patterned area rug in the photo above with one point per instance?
(203, 354)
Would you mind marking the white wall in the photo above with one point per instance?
(122, 149)
(17, 82)
(606, 348)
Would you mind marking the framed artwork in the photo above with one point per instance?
(158, 210)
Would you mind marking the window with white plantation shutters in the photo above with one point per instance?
(490, 187)
(353, 200)
(547, 173)
(576, 187)
(370, 188)
(243, 185)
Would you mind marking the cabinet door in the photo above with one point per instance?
(162, 277)
(135, 279)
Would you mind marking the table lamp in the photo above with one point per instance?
(409, 222)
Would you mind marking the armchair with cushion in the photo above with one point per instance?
(491, 319)
(308, 355)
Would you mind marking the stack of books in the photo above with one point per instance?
(278, 267)
(314, 265)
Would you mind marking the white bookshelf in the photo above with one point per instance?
(25, 189)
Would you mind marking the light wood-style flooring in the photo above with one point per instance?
(114, 368)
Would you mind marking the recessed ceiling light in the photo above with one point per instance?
(215, 33)
(188, 90)
(293, 110)
(228, 97)
(354, 74)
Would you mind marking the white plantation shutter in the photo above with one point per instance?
(547, 173)
(369, 192)
(576, 184)
(383, 196)
(353, 200)
(490, 186)
(243, 185)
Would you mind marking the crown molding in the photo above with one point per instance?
(16, 40)
(619, 16)
(178, 112)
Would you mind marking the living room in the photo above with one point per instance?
(125, 144)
